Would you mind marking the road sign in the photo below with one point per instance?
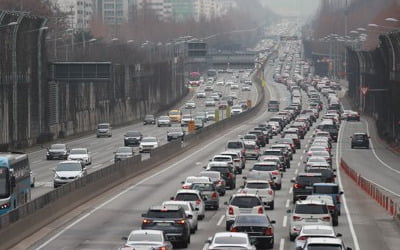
(364, 90)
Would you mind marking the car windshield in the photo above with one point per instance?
(175, 129)
(203, 187)
(308, 180)
(235, 144)
(146, 237)
(250, 137)
(124, 150)
(4, 183)
(359, 137)
(220, 169)
(257, 185)
(254, 220)
(326, 189)
(163, 118)
(57, 146)
(263, 167)
(149, 117)
(78, 151)
(69, 167)
(174, 112)
(103, 126)
(245, 202)
(228, 240)
(324, 247)
(165, 213)
(311, 209)
(149, 139)
(132, 134)
(272, 152)
(220, 158)
(250, 146)
(186, 197)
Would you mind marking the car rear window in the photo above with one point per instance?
(253, 220)
(164, 214)
(311, 209)
(245, 202)
(326, 189)
(230, 240)
(203, 187)
(265, 167)
(221, 159)
(235, 144)
(267, 152)
(186, 197)
(324, 247)
(220, 169)
(308, 180)
(257, 185)
(359, 137)
(250, 146)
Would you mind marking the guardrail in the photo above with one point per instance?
(34, 215)
(384, 199)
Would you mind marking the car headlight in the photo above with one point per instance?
(56, 176)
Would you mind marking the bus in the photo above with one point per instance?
(194, 79)
(212, 73)
(15, 180)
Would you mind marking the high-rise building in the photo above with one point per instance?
(79, 12)
(161, 8)
(183, 9)
(113, 11)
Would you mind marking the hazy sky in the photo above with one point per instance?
(293, 7)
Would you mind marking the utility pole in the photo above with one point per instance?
(345, 44)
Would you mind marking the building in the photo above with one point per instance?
(183, 9)
(113, 11)
(161, 8)
(79, 12)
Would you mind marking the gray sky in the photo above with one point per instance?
(293, 7)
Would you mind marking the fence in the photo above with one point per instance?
(382, 197)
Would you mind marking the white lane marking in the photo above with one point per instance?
(304, 151)
(287, 203)
(348, 216)
(34, 162)
(376, 156)
(282, 244)
(130, 188)
(284, 223)
(297, 171)
(96, 166)
(301, 158)
(95, 153)
(205, 246)
(298, 164)
(291, 190)
(220, 220)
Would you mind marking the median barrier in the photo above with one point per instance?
(36, 214)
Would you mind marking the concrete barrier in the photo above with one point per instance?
(54, 204)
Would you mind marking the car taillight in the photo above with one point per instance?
(186, 187)
(338, 198)
(302, 238)
(234, 229)
(275, 172)
(270, 192)
(268, 231)
(326, 218)
(147, 221)
(230, 175)
(309, 154)
(331, 207)
(244, 191)
(230, 210)
(296, 218)
(219, 182)
(214, 195)
(260, 210)
(181, 222)
(162, 248)
(292, 145)
(237, 160)
(198, 202)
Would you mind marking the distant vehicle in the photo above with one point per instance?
(149, 119)
(175, 133)
(132, 138)
(150, 239)
(103, 129)
(80, 154)
(175, 115)
(273, 106)
(190, 105)
(212, 73)
(57, 151)
(360, 140)
(164, 121)
(230, 240)
(190, 211)
(68, 171)
(148, 143)
(194, 79)
(313, 231)
(324, 243)
(123, 153)
(15, 189)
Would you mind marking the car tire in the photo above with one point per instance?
(228, 226)
(292, 237)
(335, 221)
(201, 216)
(193, 230)
(184, 243)
(352, 146)
(279, 187)
(216, 207)
(270, 245)
(271, 205)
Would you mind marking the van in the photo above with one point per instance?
(103, 129)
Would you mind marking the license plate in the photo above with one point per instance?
(311, 220)
(309, 187)
(163, 224)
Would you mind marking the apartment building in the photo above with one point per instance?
(79, 12)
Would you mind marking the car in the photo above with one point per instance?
(239, 162)
(170, 219)
(331, 189)
(175, 133)
(246, 88)
(267, 132)
(328, 174)
(273, 106)
(222, 105)
(210, 115)
(307, 212)
(216, 178)
(186, 118)
(303, 184)
(234, 86)
(57, 151)
(209, 88)
(263, 189)
(262, 139)
(198, 123)
(148, 143)
(210, 102)
(190, 105)
(195, 197)
(32, 179)
(360, 140)
(331, 206)
(325, 243)
(271, 167)
(123, 153)
(242, 204)
(201, 115)
(331, 128)
(259, 228)
(133, 138)
(287, 149)
(175, 115)
(229, 240)
(324, 154)
(154, 239)
(164, 121)
(313, 231)
(251, 150)
(201, 94)
(236, 110)
(149, 119)
(278, 152)
(190, 211)
(68, 171)
(104, 129)
(210, 194)
(315, 161)
(288, 141)
(227, 172)
(187, 184)
(80, 154)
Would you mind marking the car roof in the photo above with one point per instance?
(164, 207)
(326, 184)
(309, 174)
(265, 163)
(306, 202)
(188, 191)
(218, 164)
(322, 240)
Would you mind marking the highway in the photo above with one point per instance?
(102, 149)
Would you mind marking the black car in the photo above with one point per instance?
(333, 130)
(133, 138)
(149, 119)
(278, 152)
(57, 151)
(259, 228)
(328, 174)
(360, 140)
(303, 184)
(261, 138)
(227, 173)
(172, 220)
(175, 133)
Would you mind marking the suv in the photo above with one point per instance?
(263, 189)
(175, 133)
(251, 150)
(331, 206)
(123, 153)
(172, 220)
(235, 145)
(273, 106)
(331, 189)
(278, 152)
(57, 151)
(325, 243)
(308, 212)
(261, 138)
(227, 172)
(331, 128)
(132, 138)
(271, 167)
(360, 140)
(238, 160)
(195, 197)
(103, 129)
(149, 119)
(303, 184)
(242, 204)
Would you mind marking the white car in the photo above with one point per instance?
(308, 212)
(187, 184)
(148, 143)
(246, 88)
(261, 188)
(325, 243)
(230, 240)
(312, 231)
(190, 105)
(80, 154)
(242, 204)
(147, 239)
(201, 94)
(68, 171)
(190, 212)
(209, 102)
(186, 118)
(237, 109)
(196, 199)
(271, 167)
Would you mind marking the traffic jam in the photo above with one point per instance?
(245, 178)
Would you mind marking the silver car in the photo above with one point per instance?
(163, 121)
(210, 194)
(148, 239)
(103, 129)
(230, 240)
(68, 171)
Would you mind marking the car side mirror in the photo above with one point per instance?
(338, 235)
(341, 192)
(144, 215)
(205, 167)
(182, 182)
(209, 160)
(124, 238)
(226, 203)
(299, 248)
(244, 177)
(197, 209)
(208, 240)
(288, 211)
(172, 198)
(190, 216)
(273, 222)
